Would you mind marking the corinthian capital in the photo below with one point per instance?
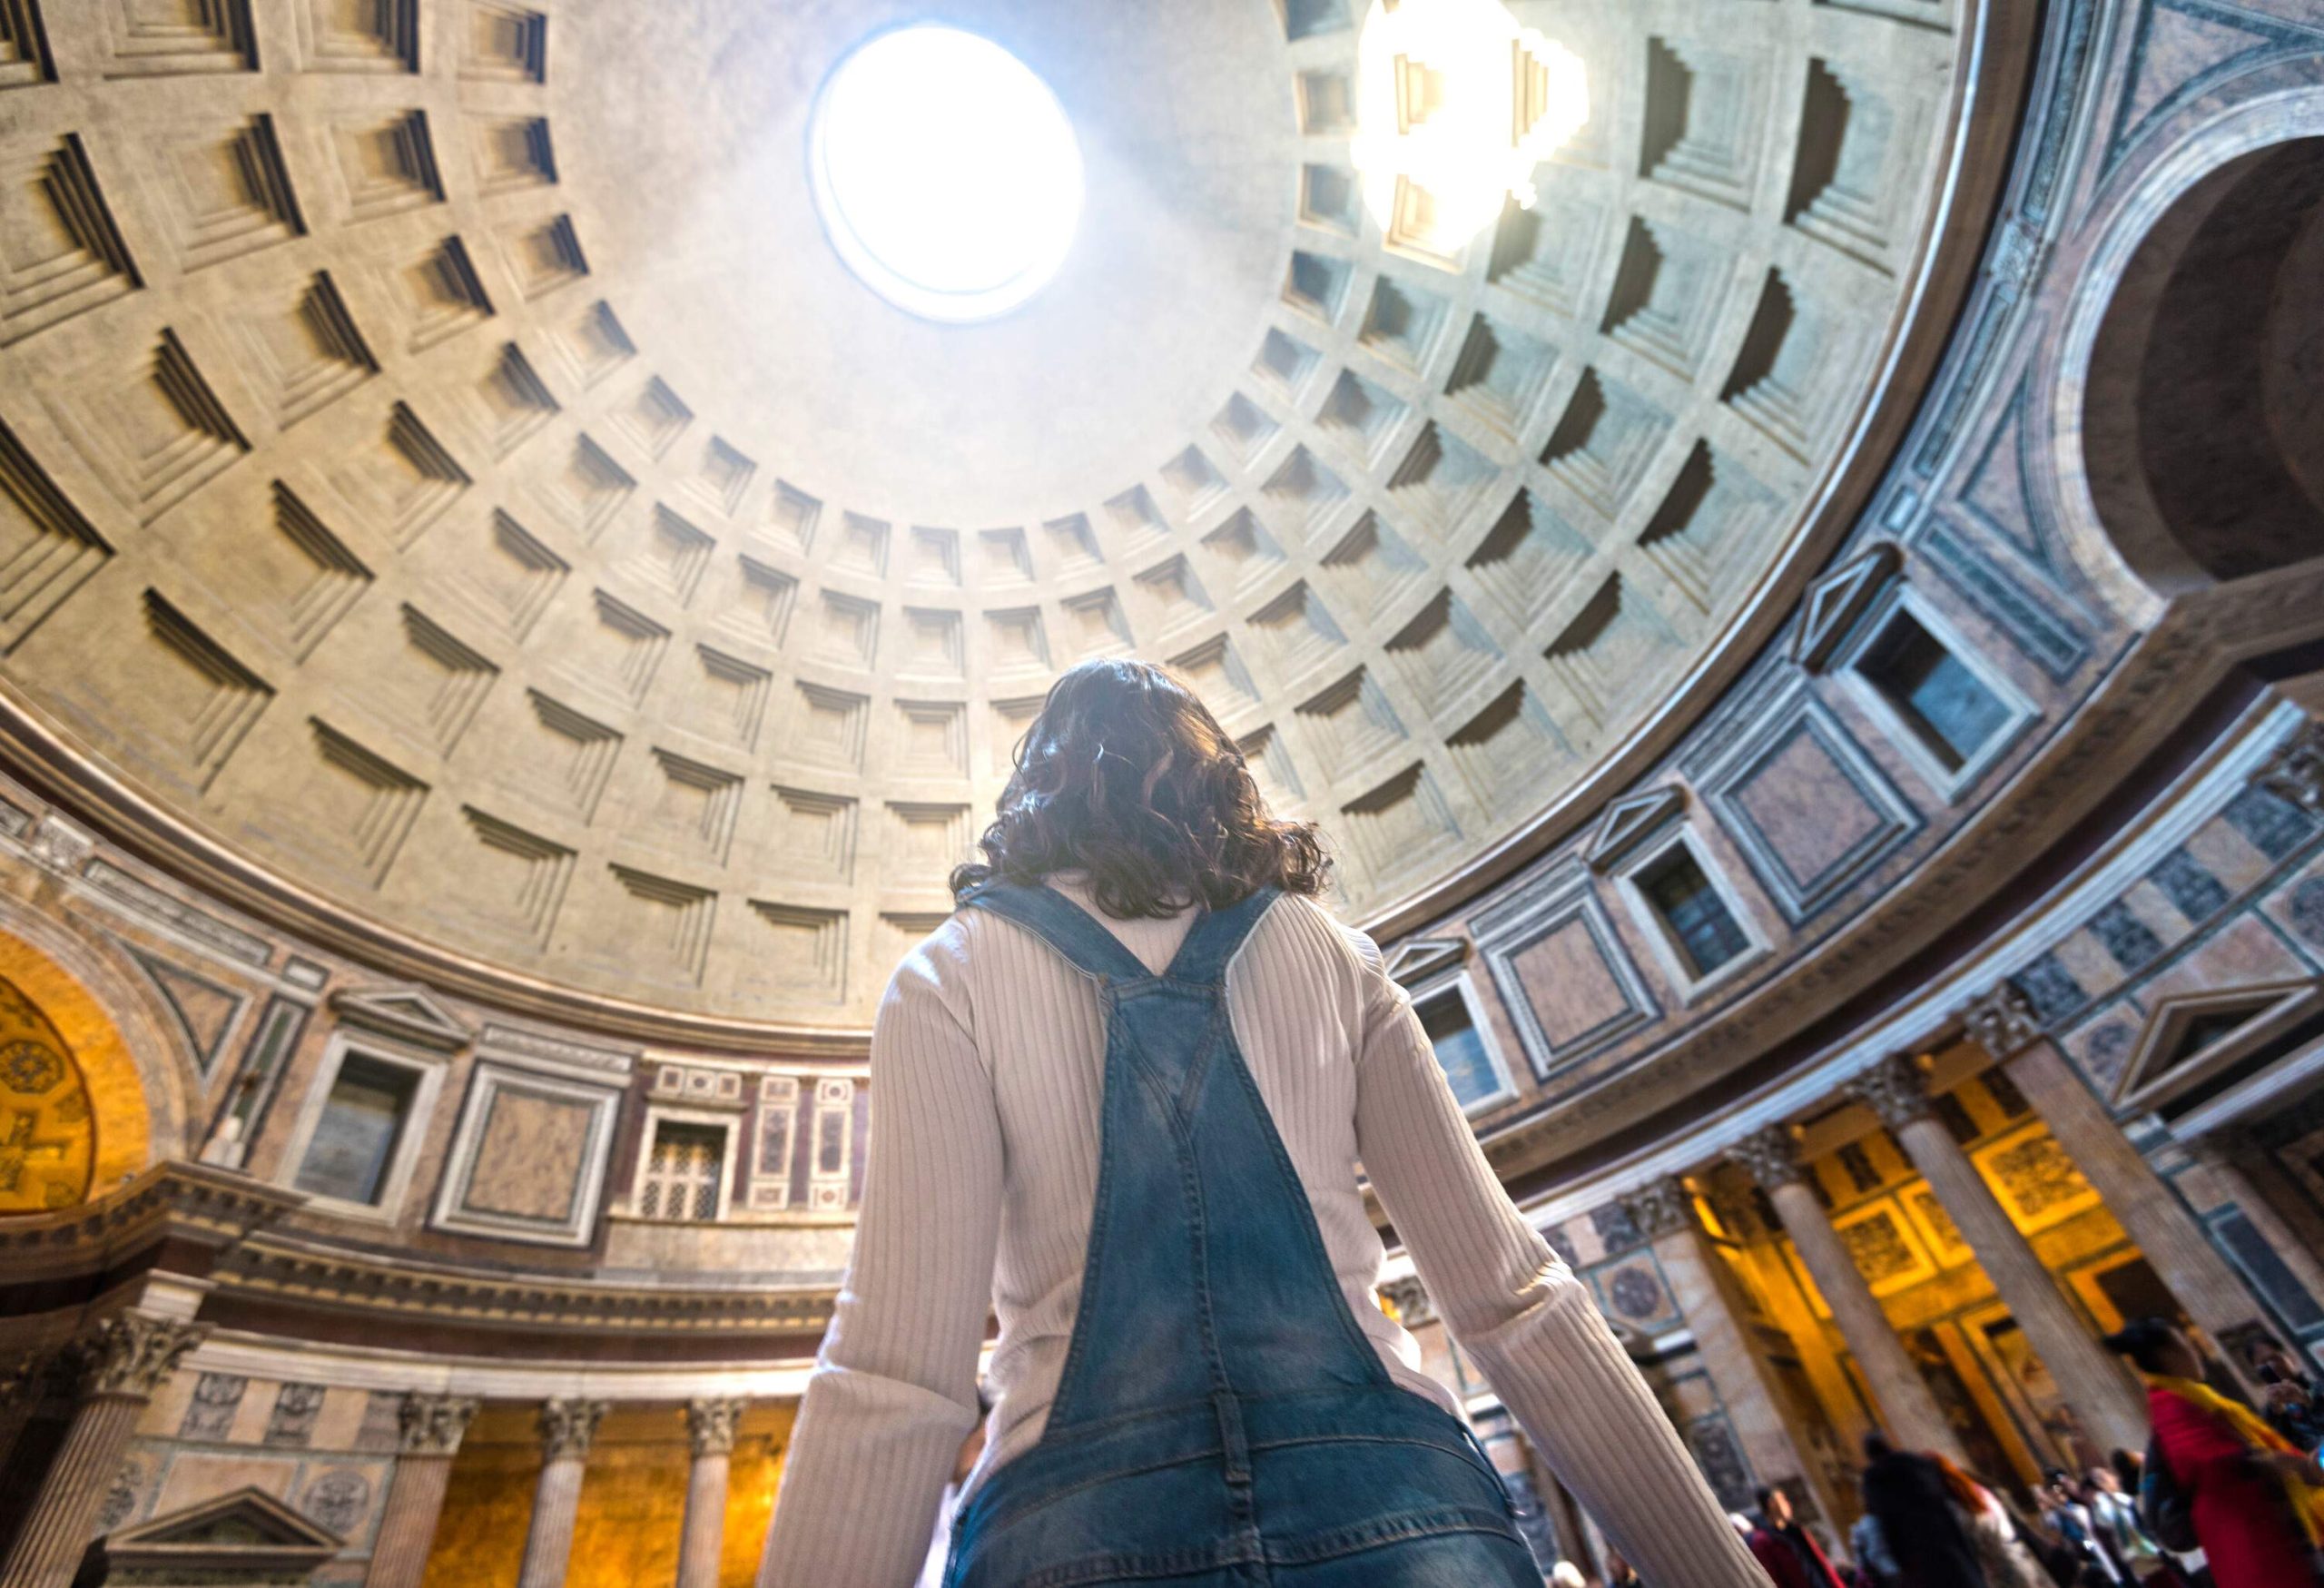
(1897, 1089)
(568, 1426)
(130, 1354)
(433, 1424)
(711, 1424)
(2001, 1019)
(2296, 772)
(1768, 1157)
(1663, 1207)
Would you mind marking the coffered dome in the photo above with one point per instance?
(453, 484)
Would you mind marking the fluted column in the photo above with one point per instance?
(2174, 1244)
(710, 1431)
(1764, 1419)
(1906, 1406)
(429, 1428)
(2097, 1386)
(566, 1428)
(19, 1393)
(114, 1369)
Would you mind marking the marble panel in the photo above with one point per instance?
(527, 1159)
(1809, 808)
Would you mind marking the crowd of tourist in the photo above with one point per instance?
(2227, 1495)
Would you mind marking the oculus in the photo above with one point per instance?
(945, 172)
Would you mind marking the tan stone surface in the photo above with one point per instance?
(486, 502)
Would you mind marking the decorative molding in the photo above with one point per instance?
(566, 1426)
(181, 1206)
(1834, 603)
(129, 1355)
(2001, 1021)
(1663, 1206)
(711, 1422)
(1897, 1089)
(411, 1015)
(244, 1536)
(1627, 821)
(275, 1268)
(1770, 1156)
(2295, 773)
(1410, 1298)
(1418, 959)
(1560, 900)
(433, 1424)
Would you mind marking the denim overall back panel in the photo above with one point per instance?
(1220, 1419)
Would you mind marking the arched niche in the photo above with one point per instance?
(2202, 428)
(73, 1120)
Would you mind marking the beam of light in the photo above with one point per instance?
(1456, 103)
(946, 173)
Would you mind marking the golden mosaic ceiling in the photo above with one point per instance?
(445, 465)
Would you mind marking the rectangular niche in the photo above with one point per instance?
(527, 1159)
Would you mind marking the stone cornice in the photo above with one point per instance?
(313, 1275)
(184, 1205)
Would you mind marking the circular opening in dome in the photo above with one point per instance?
(946, 173)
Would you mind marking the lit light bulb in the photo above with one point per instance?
(1457, 102)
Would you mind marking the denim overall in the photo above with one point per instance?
(1221, 1419)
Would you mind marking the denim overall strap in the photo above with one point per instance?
(1221, 1420)
(1216, 937)
(1065, 927)
(1206, 1277)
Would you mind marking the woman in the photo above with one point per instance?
(2259, 1503)
(1121, 1097)
(1993, 1533)
(1923, 1529)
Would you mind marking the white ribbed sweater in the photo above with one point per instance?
(988, 1066)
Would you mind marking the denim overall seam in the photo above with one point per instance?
(1306, 1231)
(1334, 1390)
(1401, 1527)
(1069, 1382)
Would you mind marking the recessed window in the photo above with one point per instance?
(946, 173)
(1947, 706)
(354, 1143)
(684, 1170)
(1693, 910)
(1460, 1047)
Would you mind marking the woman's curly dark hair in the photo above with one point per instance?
(1125, 776)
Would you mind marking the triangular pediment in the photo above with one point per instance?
(247, 1533)
(410, 1013)
(1629, 820)
(2194, 1036)
(1418, 959)
(1835, 602)
(204, 1011)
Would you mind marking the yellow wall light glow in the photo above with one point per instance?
(1457, 103)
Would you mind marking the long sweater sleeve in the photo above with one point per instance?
(894, 1392)
(1529, 1322)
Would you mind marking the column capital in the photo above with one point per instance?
(568, 1426)
(2296, 771)
(2001, 1019)
(1768, 1156)
(433, 1424)
(1664, 1207)
(1897, 1090)
(711, 1424)
(129, 1355)
(1410, 1298)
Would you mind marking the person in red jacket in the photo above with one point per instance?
(1786, 1551)
(2259, 1502)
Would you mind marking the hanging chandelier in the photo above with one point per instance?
(1457, 103)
